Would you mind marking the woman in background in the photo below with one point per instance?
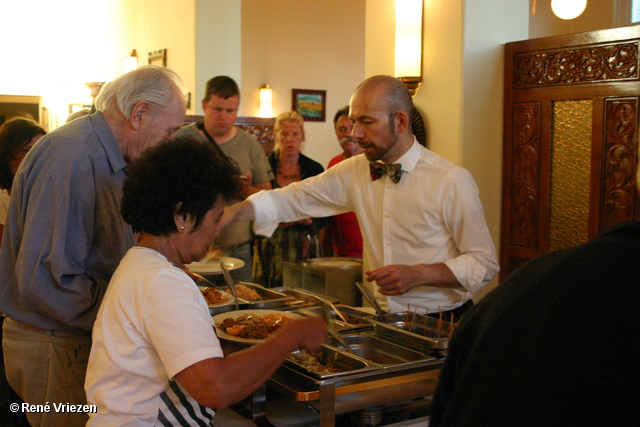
(17, 136)
(290, 241)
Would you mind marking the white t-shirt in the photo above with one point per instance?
(4, 206)
(152, 324)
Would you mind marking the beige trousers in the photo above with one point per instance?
(47, 368)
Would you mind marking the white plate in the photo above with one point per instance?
(226, 294)
(218, 318)
(213, 266)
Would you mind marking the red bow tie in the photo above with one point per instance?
(378, 169)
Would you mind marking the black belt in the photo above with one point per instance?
(453, 315)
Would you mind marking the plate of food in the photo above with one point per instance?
(250, 326)
(212, 266)
(215, 297)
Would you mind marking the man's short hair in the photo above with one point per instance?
(223, 87)
(344, 111)
(149, 83)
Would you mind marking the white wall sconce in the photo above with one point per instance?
(131, 61)
(266, 98)
(568, 9)
(408, 50)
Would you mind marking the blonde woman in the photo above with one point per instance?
(291, 241)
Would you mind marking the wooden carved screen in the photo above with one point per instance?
(570, 140)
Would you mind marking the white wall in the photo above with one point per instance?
(597, 15)
(487, 26)
(303, 45)
(217, 45)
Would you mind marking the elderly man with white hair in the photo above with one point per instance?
(65, 236)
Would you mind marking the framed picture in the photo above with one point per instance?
(159, 58)
(310, 104)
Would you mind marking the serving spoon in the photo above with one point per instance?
(326, 313)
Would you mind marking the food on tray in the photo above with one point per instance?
(314, 362)
(213, 296)
(247, 293)
(254, 326)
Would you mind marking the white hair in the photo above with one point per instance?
(150, 83)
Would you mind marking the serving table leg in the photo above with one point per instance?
(327, 404)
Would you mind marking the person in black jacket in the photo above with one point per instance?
(557, 344)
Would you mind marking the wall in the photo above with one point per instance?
(218, 45)
(487, 26)
(598, 15)
(69, 42)
(303, 45)
(149, 30)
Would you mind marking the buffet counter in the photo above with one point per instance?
(387, 360)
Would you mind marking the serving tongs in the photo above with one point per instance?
(368, 295)
(230, 283)
(326, 313)
(333, 307)
(202, 279)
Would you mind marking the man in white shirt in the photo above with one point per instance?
(426, 243)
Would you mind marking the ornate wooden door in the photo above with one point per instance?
(570, 140)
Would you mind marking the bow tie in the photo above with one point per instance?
(378, 169)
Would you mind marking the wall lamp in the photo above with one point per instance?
(568, 9)
(266, 97)
(408, 50)
(131, 61)
(564, 9)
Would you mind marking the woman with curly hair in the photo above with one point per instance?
(155, 357)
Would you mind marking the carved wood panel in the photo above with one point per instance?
(525, 174)
(595, 63)
(621, 144)
(599, 66)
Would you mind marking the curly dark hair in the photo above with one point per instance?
(14, 134)
(180, 176)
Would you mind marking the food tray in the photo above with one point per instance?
(418, 331)
(346, 363)
(270, 298)
(301, 298)
(357, 318)
(380, 352)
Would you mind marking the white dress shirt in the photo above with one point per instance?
(433, 215)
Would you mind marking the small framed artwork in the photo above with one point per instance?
(158, 57)
(310, 104)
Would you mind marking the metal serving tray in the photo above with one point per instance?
(416, 330)
(269, 298)
(301, 298)
(380, 352)
(357, 318)
(345, 363)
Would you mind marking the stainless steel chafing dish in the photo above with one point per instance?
(416, 330)
(382, 353)
(400, 374)
(269, 299)
(301, 298)
(358, 319)
(342, 362)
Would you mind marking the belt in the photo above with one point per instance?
(54, 333)
(29, 327)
